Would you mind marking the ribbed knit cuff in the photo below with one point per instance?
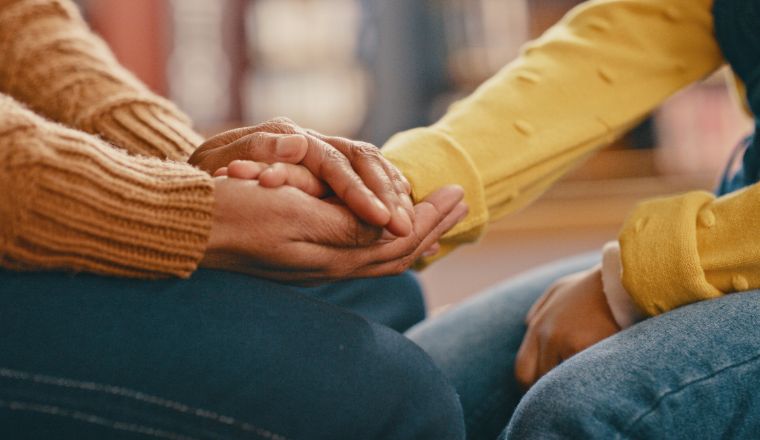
(56, 65)
(148, 129)
(71, 202)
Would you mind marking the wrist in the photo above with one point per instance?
(218, 238)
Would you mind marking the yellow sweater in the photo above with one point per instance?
(590, 78)
(107, 192)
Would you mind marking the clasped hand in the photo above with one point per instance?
(327, 209)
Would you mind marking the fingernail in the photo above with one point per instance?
(289, 145)
(434, 249)
(387, 236)
(380, 205)
(406, 220)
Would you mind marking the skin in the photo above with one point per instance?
(355, 171)
(303, 239)
(571, 316)
(276, 175)
(282, 174)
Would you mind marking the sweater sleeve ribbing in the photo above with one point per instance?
(52, 62)
(69, 201)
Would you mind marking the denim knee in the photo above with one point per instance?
(572, 401)
(412, 397)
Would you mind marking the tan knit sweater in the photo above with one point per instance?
(91, 162)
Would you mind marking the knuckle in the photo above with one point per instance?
(367, 151)
(282, 125)
(253, 144)
(314, 133)
(334, 157)
(282, 120)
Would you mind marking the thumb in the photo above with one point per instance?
(271, 147)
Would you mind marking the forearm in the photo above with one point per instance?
(585, 82)
(51, 61)
(69, 201)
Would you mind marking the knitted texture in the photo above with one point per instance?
(51, 61)
(70, 201)
(584, 83)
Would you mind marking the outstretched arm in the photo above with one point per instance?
(591, 77)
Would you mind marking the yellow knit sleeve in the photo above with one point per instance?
(52, 62)
(591, 77)
(691, 247)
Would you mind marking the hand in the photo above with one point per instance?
(571, 316)
(275, 175)
(356, 171)
(297, 176)
(285, 234)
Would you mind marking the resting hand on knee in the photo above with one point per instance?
(571, 316)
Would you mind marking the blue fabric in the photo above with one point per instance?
(689, 374)
(737, 28)
(692, 373)
(475, 344)
(219, 356)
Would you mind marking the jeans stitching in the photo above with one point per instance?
(141, 397)
(15, 405)
(682, 387)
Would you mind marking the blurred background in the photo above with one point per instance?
(369, 68)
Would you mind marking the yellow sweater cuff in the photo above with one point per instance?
(431, 159)
(662, 269)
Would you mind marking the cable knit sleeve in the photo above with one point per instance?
(52, 62)
(69, 201)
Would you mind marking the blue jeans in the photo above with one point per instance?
(219, 356)
(692, 373)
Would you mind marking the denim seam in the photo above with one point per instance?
(140, 397)
(15, 405)
(682, 387)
